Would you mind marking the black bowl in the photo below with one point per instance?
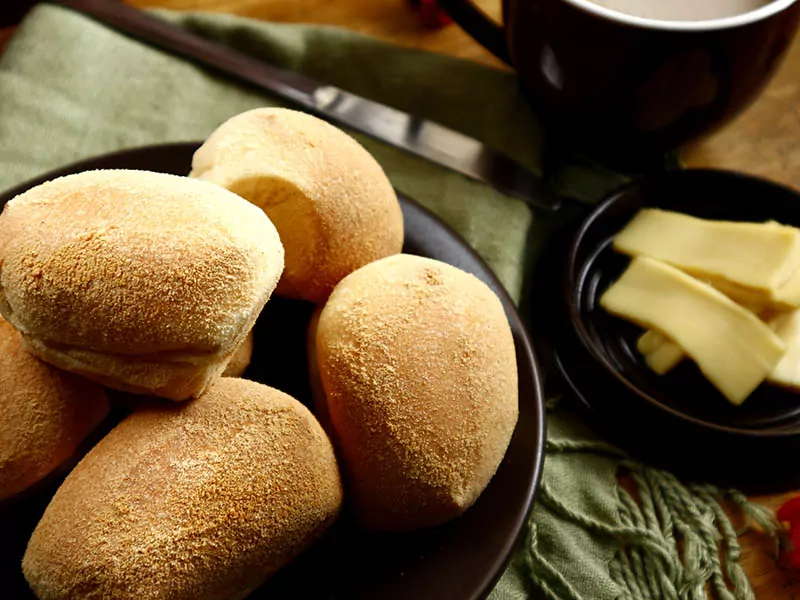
(678, 418)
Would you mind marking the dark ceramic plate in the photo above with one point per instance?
(679, 415)
(459, 560)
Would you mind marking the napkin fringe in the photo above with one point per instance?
(674, 539)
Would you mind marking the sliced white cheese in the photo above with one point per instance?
(733, 348)
(787, 372)
(761, 256)
(788, 295)
(650, 341)
(751, 298)
(660, 353)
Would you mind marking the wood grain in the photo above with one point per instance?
(765, 141)
(391, 20)
(770, 581)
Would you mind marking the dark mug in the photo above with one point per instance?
(629, 87)
(12, 11)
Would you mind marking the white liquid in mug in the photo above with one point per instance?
(682, 10)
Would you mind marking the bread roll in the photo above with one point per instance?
(142, 281)
(331, 202)
(198, 501)
(241, 358)
(418, 365)
(44, 414)
(236, 368)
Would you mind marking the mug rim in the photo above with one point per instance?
(763, 12)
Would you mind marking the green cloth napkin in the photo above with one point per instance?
(70, 89)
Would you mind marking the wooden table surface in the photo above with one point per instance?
(764, 141)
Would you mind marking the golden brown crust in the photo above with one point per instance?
(44, 414)
(201, 500)
(143, 281)
(241, 358)
(418, 365)
(329, 199)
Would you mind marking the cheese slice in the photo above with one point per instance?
(660, 353)
(733, 348)
(650, 341)
(788, 295)
(761, 256)
(752, 299)
(787, 372)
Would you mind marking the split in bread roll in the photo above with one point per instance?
(418, 365)
(241, 358)
(44, 414)
(236, 368)
(197, 501)
(141, 281)
(330, 200)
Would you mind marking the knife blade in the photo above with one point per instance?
(421, 137)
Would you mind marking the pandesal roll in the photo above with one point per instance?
(236, 367)
(330, 200)
(45, 414)
(144, 282)
(202, 500)
(418, 366)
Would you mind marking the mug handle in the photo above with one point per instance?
(475, 22)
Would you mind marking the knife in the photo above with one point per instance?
(421, 137)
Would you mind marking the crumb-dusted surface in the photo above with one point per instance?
(418, 364)
(44, 414)
(202, 500)
(241, 358)
(330, 200)
(144, 281)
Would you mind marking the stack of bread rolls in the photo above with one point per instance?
(144, 288)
